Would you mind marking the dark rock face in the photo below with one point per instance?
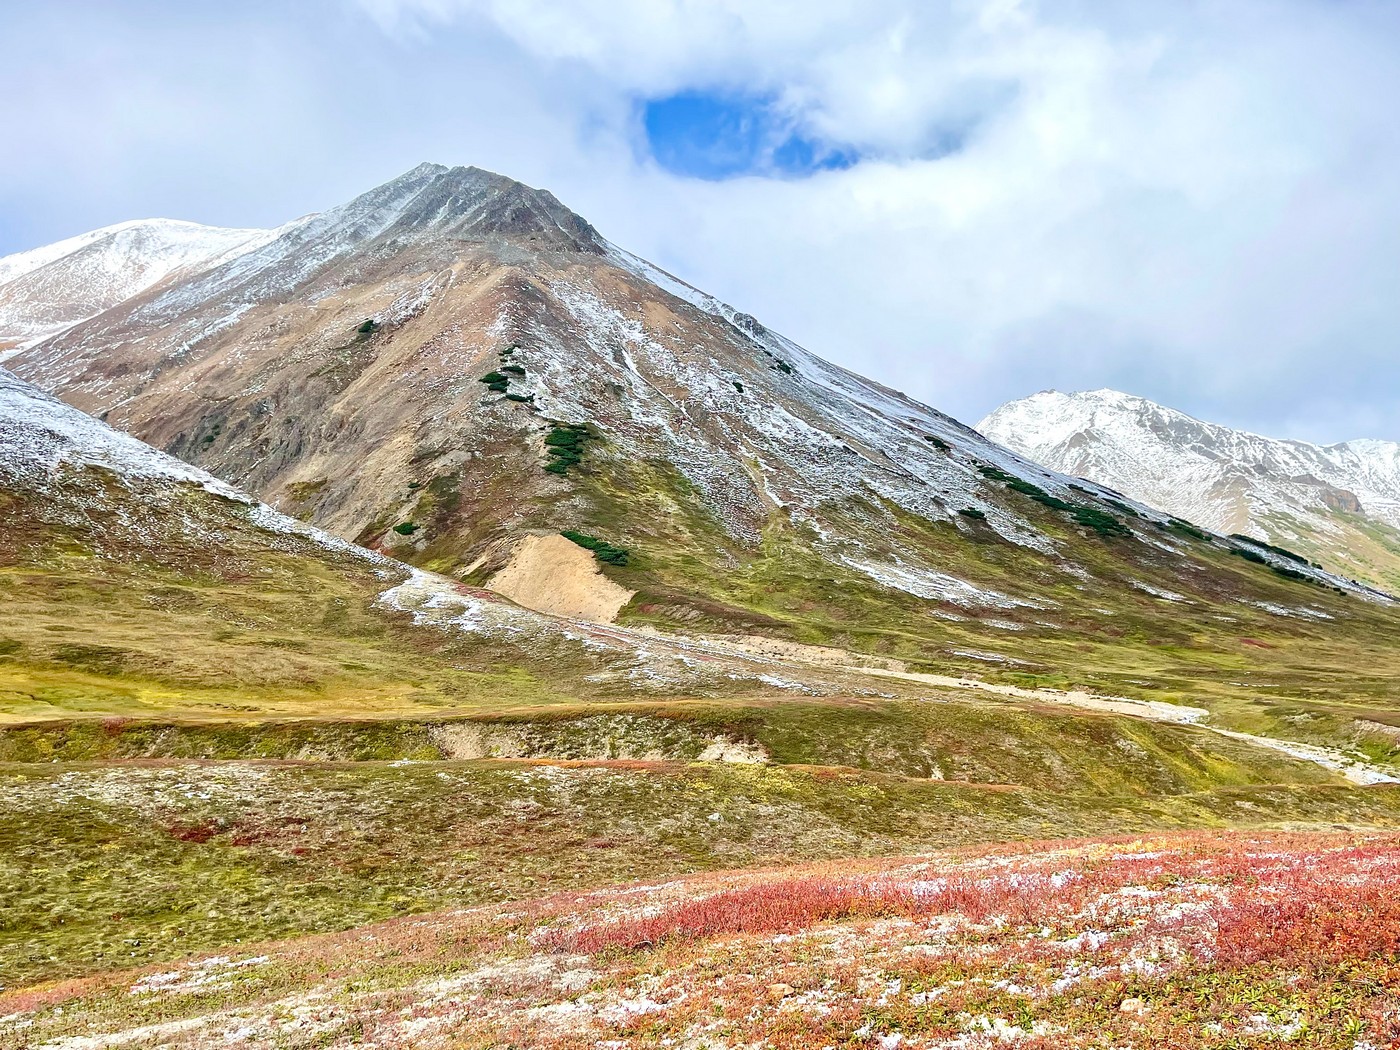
(473, 204)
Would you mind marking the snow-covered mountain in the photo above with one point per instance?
(48, 289)
(1337, 503)
(457, 370)
(455, 267)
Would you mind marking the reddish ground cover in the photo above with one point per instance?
(1181, 941)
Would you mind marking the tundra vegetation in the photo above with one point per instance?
(227, 744)
(1205, 939)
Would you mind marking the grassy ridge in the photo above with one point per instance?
(986, 743)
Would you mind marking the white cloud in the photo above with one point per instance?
(1198, 202)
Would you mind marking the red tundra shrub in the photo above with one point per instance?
(774, 907)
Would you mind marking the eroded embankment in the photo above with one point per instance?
(967, 741)
(597, 737)
(554, 575)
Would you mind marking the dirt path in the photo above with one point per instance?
(537, 572)
(1351, 767)
(1156, 710)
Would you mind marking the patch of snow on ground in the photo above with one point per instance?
(1293, 612)
(41, 433)
(937, 586)
(1157, 592)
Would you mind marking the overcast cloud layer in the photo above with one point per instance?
(1195, 202)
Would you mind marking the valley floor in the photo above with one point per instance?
(1188, 940)
(183, 868)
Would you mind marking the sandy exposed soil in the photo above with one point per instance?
(553, 575)
(815, 655)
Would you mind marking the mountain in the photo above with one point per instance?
(137, 585)
(577, 577)
(48, 289)
(453, 368)
(1336, 504)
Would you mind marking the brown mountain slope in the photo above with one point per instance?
(135, 586)
(747, 485)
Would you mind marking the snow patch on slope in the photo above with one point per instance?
(49, 289)
(40, 433)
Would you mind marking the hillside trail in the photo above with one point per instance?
(438, 599)
(1351, 767)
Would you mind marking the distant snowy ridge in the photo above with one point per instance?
(39, 433)
(1227, 480)
(46, 290)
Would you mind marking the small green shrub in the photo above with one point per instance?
(495, 381)
(782, 366)
(567, 436)
(1122, 508)
(1038, 494)
(516, 369)
(973, 513)
(602, 549)
(1283, 552)
(565, 445)
(367, 327)
(524, 398)
(1250, 554)
(1102, 522)
(938, 443)
(738, 385)
(406, 528)
(1185, 528)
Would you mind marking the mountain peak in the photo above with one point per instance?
(470, 203)
(50, 288)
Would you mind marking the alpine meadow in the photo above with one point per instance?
(427, 623)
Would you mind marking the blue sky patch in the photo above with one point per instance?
(713, 136)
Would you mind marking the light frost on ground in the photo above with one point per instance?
(41, 433)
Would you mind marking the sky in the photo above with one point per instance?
(1196, 201)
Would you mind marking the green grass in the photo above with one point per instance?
(966, 741)
(136, 639)
(1293, 677)
(103, 867)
